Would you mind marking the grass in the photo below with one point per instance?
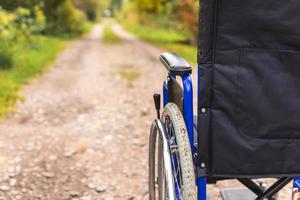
(130, 74)
(109, 37)
(169, 40)
(28, 60)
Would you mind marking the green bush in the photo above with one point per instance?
(40, 20)
(53, 16)
(24, 51)
(27, 62)
(90, 7)
(6, 55)
(18, 25)
(175, 14)
(7, 34)
(69, 19)
(21, 23)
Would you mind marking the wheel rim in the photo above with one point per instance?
(152, 162)
(165, 183)
(176, 167)
(179, 174)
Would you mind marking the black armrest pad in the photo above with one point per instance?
(175, 64)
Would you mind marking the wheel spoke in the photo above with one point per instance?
(173, 182)
(175, 157)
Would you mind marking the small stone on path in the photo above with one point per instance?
(4, 188)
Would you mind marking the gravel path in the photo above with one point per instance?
(82, 133)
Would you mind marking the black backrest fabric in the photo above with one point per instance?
(249, 56)
(229, 24)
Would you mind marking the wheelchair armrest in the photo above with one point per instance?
(175, 64)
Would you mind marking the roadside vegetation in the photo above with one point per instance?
(32, 33)
(109, 36)
(130, 73)
(22, 66)
(170, 40)
(171, 25)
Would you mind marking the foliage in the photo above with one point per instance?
(69, 19)
(27, 61)
(6, 24)
(189, 17)
(12, 5)
(90, 7)
(21, 23)
(17, 25)
(58, 16)
(27, 23)
(40, 19)
(6, 54)
(181, 15)
(115, 5)
(171, 40)
(6, 19)
(23, 52)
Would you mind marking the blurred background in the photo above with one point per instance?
(76, 85)
(32, 32)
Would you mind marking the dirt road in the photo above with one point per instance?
(82, 133)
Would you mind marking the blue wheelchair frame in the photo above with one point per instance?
(188, 117)
(188, 113)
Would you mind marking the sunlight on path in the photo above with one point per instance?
(122, 33)
(96, 33)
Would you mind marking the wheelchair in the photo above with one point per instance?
(248, 112)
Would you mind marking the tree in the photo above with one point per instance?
(189, 17)
(115, 5)
(180, 14)
(92, 8)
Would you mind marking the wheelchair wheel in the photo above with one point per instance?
(171, 169)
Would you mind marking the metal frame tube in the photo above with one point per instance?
(275, 188)
(188, 111)
(251, 186)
